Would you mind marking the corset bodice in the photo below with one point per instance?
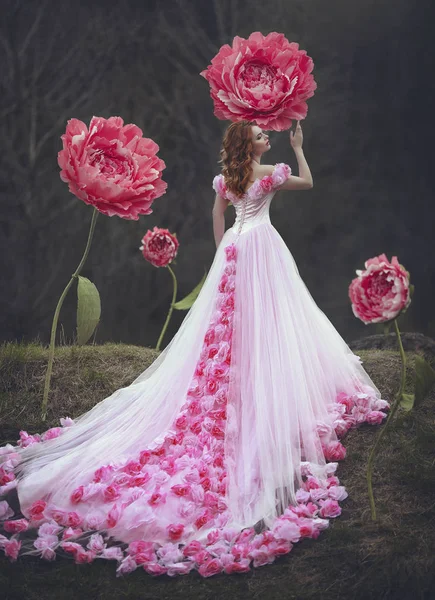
(252, 208)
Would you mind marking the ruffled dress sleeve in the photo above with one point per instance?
(280, 173)
(219, 186)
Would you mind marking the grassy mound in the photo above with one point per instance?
(354, 558)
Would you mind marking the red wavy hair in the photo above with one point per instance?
(236, 156)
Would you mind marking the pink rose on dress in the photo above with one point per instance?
(231, 252)
(113, 516)
(77, 494)
(287, 530)
(266, 79)
(111, 167)
(210, 567)
(126, 566)
(159, 247)
(335, 451)
(329, 509)
(381, 292)
(374, 417)
(52, 433)
(103, 473)
(96, 543)
(111, 493)
(266, 184)
(337, 492)
(219, 186)
(12, 548)
(154, 568)
(5, 511)
(112, 553)
(175, 531)
(27, 440)
(16, 526)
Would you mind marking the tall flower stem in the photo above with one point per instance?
(171, 308)
(56, 317)
(392, 412)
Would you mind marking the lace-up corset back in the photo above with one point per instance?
(252, 208)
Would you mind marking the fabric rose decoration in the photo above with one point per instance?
(266, 79)
(381, 291)
(111, 166)
(159, 247)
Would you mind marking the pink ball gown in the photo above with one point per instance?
(221, 455)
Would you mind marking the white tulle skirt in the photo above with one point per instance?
(236, 425)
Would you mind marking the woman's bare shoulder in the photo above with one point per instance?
(263, 170)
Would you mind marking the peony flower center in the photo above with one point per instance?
(258, 74)
(110, 163)
(380, 286)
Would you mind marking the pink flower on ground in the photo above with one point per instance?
(111, 167)
(264, 78)
(380, 292)
(159, 247)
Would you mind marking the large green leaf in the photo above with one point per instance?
(407, 401)
(188, 301)
(88, 309)
(424, 378)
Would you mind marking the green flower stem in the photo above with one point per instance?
(392, 412)
(171, 308)
(56, 317)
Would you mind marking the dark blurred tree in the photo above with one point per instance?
(141, 61)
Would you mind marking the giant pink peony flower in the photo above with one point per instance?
(159, 247)
(111, 166)
(266, 79)
(380, 292)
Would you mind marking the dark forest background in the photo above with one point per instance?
(368, 139)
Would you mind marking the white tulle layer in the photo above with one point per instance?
(235, 424)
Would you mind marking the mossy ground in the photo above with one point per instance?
(354, 558)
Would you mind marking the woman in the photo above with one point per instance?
(221, 454)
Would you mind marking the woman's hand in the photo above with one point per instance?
(296, 138)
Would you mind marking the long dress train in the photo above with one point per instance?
(222, 453)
